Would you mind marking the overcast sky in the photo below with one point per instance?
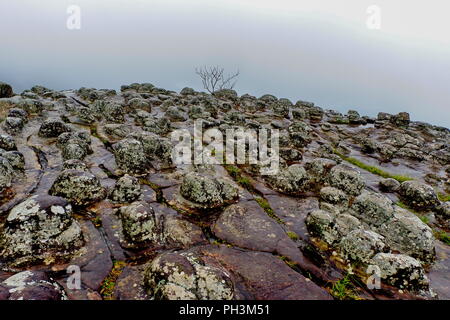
(320, 51)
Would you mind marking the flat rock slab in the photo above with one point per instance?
(262, 276)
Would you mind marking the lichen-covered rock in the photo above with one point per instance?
(156, 148)
(333, 195)
(443, 213)
(183, 276)
(6, 90)
(32, 285)
(52, 128)
(127, 189)
(299, 133)
(346, 179)
(75, 164)
(7, 143)
(130, 156)
(15, 158)
(389, 185)
(6, 173)
(401, 119)
(418, 195)
(40, 230)
(79, 187)
(407, 234)
(18, 113)
(114, 113)
(320, 224)
(292, 180)
(318, 169)
(175, 114)
(139, 223)
(401, 271)
(373, 208)
(207, 192)
(361, 245)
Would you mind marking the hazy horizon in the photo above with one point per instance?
(321, 52)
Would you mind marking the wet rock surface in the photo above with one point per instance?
(88, 184)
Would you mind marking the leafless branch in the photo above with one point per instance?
(214, 78)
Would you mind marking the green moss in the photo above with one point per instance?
(442, 236)
(263, 203)
(289, 262)
(109, 283)
(444, 197)
(292, 235)
(373, 169)
(344, 289)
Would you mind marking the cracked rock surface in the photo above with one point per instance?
(88, 184)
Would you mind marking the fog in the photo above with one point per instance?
(319, 51)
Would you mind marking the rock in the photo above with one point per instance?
(175, 114)
(79, 187)
(13, 124)
(389, 185)
(52, 128)
(299, 133)
(7, 143)
(156, 149)
(407, 234)
(15, 158)
(401, 271)
(262, 276)
(118, 130)
(318, 169)
(361, 245)
(373, 208)
(418, 195)
(40, 230)
(207, 192)
(6, 173)
(139, 223)
(6, 90)
(138, 103)
(33, 285)
(401, 119)
(18, 113)
(293, 180)
(354, 117)
(74, 164)
(187, 91)
(346, 179)
(383, 116)
(333, 195)
(183, 276)
(368, 145)
(31, 106)
(127, 189)
(321, 224)
(443, 213)
(130, 156)
(114, 113)
(315, 113)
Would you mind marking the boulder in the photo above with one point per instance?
(130, 156)
(346, 179)
(32, 285)
(79, 187)
(389, 185)
(372, 208)
(40, 229)
(7, 143)
(6, 90)
(292, 180)
(183, 276)
(361, 245)
(127, 189)
(401, 271)
(52, 128)
(418, 195)
(207, 192)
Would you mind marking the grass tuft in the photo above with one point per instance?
(263, 203)
(344, 289)
(109, 283)
(373, 169)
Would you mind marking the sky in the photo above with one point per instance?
(320, 51)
